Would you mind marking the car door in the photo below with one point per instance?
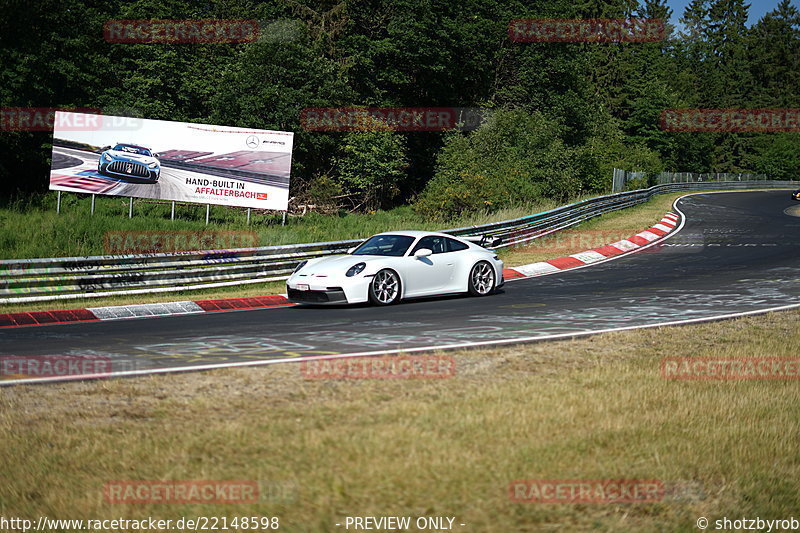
(432, 274)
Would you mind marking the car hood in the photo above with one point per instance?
(338, 264)
(132, 157)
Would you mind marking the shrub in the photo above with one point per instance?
(513, 158)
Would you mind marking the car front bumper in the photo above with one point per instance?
(333, 295)
(327, 290)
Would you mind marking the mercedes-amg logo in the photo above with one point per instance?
(252, 142)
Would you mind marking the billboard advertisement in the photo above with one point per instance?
(165, 160)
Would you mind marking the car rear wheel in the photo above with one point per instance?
(481, 279)
(385, 288)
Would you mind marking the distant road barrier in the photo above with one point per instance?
(32, 280)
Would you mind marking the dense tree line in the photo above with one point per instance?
(559, 115)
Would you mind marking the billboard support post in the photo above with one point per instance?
(172, 215)
(130, 208)
(283, 222)
(58, 203)
(248, 216)
(93, 204)
(208, 212)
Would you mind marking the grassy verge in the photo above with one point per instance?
(33, 228)
(588, 409)
(597, 232)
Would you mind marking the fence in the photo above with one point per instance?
(623, 177)
(30, 280)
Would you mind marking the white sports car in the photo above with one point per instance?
(395, 265)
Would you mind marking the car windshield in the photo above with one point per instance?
(394, 245)
(132, 149)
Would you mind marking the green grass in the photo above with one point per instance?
(32, 228)
(587, 409)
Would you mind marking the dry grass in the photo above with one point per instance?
(592, 408)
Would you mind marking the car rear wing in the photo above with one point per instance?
(487, 241)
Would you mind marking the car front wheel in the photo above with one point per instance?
(481, 279)
(385, 288)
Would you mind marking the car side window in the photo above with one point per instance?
(433, 243)
(455, 246)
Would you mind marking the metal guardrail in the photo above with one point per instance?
(30, 280)
(621, 177)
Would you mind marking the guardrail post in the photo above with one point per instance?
(93, 204)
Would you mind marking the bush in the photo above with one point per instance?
(373, 164)
(513, 158)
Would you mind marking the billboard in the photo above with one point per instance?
(165, 160)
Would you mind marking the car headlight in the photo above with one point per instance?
(107, 157)
(355, 269)
(299, 266)
(152, 165)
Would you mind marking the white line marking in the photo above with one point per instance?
(465, 345)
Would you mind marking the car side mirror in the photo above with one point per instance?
(422, 252)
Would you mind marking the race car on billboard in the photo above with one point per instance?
(796, 195)
(130, 161)
(400, 264)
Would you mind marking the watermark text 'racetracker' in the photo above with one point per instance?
(391, 118)
(385, 367)
(731, 120)
(730, 368)
(181, 31)
(631, 30)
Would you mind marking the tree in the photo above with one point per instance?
(270, 83)
(512, 159)
(372, 164)
(774, 57)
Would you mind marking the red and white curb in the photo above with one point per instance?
(190, 307)
(649, 236)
